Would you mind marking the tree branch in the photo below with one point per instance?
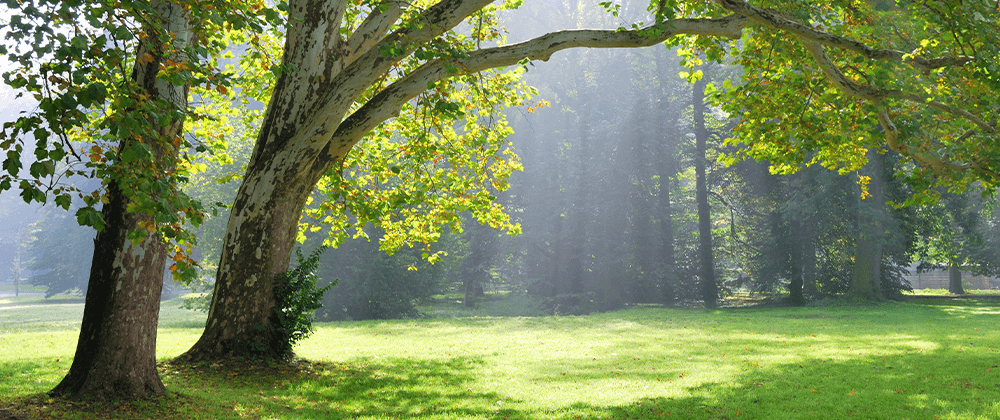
(774, 20)
(372, 30)
(866, 92)
(936, 164)
(357, 76)
(386, 104)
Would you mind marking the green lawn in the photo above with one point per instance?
(936, 358)
(23, 288)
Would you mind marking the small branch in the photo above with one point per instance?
(943, 107)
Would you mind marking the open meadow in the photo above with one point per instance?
(926, 359)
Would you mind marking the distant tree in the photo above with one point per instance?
(955, 234)
(706, 261)
(374, 285)
(478, 262)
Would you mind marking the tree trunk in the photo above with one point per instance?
(795, 275)
(259, 241)
(292, 152)
(470, 293)
(668, 261)
(955, 279)
(666, 169)
(642, 280)
(809, 262)
(116, 352)
(866, 281)
(581, 210)
(709, 288)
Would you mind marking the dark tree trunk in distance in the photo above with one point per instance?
(866, 280)
(955, 279)
(809, 262)
(796, 273)
(709, 288)
(581, 210)
(666, 169)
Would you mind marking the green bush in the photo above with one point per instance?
(296, 298)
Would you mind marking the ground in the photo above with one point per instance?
(926, 359)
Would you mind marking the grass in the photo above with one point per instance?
(946, 292)
(936, 358)
(23, 288)
(492, 305)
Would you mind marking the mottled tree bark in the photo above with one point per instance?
(116, 352)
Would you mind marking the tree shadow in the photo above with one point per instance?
(922, 374)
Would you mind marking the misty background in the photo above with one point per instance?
(607, 204)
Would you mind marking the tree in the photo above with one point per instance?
(709, 287)
(866, 282)
(333, 91)
(58, 251)
(310, 127)
(112, 104)
(954, 234)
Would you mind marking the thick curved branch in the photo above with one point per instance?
(387, 103)
(838, 77)
(333, 103)
(892, 139)
(774, 20)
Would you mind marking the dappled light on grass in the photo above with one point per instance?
(897, 361)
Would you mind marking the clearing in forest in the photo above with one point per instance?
(921, 360)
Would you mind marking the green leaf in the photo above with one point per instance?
(63, 201)
(87, 216)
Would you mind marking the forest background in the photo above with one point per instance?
(606, 205)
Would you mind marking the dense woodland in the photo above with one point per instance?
(465, 147)
(608, 206)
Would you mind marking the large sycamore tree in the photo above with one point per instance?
(345, 74)
(823, 83)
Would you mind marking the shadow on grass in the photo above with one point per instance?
(21, 377)
(876, 387)
(923, 374)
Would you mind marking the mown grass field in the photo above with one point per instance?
(932, 359)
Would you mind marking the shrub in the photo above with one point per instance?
(296, 298)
